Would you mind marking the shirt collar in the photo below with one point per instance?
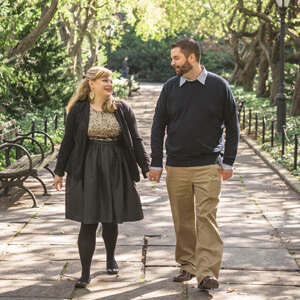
(201, 78)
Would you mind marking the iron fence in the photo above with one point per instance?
(262, 127)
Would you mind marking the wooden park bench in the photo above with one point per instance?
(20, 163)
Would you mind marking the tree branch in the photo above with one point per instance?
(90, 11)
(293, 57)
(251, 13)
(262, 43)
(295, 8)
(295, 37)
(29, 40)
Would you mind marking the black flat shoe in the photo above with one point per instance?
(112, 271)
(80, 284)
(112, 267)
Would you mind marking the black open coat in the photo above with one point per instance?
(71, 155)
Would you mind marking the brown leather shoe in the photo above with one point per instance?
(208, 283)
(183, 276)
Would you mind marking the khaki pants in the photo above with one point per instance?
(194, 196)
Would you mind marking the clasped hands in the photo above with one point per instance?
(154, 175)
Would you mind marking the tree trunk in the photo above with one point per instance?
(270, 44)
(83, 27)
(78, 66)
(234, 74)
(247, 74)
(239, 77)
(275, 68)
(248, 77)
(94, 53)
(64, 33)
(29, 40)
(295, 110)
(262, 89)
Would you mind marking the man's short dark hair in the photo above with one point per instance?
(188, 46)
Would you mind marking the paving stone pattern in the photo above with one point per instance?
(258, 216)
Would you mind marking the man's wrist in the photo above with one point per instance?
(156, 168)
(226, 167)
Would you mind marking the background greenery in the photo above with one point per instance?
(41, 66)
(264, 110)
(150, 60)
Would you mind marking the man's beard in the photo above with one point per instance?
(184, 68)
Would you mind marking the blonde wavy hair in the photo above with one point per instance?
(82, 93)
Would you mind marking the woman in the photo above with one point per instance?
(100, 152)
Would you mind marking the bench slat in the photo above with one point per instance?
(7, 124)
(48, 157)
(9, 133)
(22, 164)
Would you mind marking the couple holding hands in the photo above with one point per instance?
(102, 149)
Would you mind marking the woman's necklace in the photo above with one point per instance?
(96, 107)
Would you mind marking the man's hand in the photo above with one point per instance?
(155, 175)
(58, 182)
(226, 174)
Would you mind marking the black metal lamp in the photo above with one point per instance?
(109, 34)
(281, 96)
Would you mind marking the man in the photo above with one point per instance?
(125, 68)
(195, 106)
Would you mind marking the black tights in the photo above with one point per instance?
(87, 243)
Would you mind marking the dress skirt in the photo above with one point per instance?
(107, 192)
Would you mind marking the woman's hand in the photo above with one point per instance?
(148, 175)
(58, 182)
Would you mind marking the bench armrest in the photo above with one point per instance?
(22, 138)
(40, 132)
(11, 145)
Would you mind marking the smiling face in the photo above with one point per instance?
(179, 62)
(102, 87)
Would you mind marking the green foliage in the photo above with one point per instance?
(262, 107)
(291, 71)
(150, 59)
(41, 79)
(38, 117)
(216, 56)
(121, 88)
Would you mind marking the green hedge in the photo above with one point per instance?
(263, 108)
(150, 60)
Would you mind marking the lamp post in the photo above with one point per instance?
(281, 96)
(109, 34)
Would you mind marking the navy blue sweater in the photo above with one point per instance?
(195, 116)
